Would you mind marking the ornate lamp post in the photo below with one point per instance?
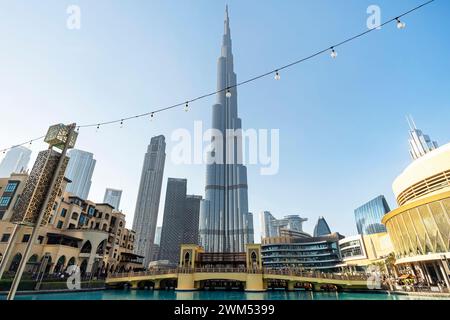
(35, 205)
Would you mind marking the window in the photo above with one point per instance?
(40, 239)
(75, 216)
(4, 201)
(26, 238)
(71, 226)
(5, 237)
(59, 225)
(11, 187)
(63, 212)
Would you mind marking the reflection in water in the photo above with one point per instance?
(184, 295)
(213, 295)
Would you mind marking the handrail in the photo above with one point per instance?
(282, 272)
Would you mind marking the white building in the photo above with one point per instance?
(80, 170)
(15, 161)
(419, 143)
(113, 197)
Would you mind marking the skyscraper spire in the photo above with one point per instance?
(226, 43)
(419, 143)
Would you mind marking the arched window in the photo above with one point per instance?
(105, 227)
(86, 248)
(83, 266)
(187, 259)
(60, 264)
(101, 248)
(71, 261)
(33, 259)
(15, 262)
(254, 258)
(107, 216)
(75, 216)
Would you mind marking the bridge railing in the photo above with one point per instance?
(156, 272)
(316, 274)
(286, 272)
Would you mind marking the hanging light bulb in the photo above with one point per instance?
(277, 75)
(228, 94)
(98, 127)
(333, 53)
(151, 116)
(400, 24)
(186, 106)
(121, 123)
(31, 142)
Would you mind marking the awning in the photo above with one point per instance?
(129, 254)
(60, 235)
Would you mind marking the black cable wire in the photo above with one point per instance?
(122, 120)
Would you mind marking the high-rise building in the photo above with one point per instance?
(173, 222)
(368, 216)
(147, 204)
(15, 161)
(266, 224)
(191, 216)
(158, 235)
(250, 228)
(272, 227)
(223, 213)
(321, 228)
(419, 143)
(180, 223)
(79, 171)
(112, 197)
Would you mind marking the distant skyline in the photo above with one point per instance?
(342, 124)
(16, 160)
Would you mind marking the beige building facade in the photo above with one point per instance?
(83, 233)
(420, 227)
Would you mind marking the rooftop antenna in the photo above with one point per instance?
(411, 124)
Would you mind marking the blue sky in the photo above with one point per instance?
(342, 122)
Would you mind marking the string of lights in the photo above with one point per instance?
(276, 72)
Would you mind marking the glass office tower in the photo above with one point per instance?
(368, 216)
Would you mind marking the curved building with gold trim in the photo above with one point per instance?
(420, 228)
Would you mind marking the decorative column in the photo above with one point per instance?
(35, 206)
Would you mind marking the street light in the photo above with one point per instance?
(35, 204)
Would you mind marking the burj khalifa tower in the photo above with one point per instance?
(225, 223)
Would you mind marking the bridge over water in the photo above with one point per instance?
(253, 279)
